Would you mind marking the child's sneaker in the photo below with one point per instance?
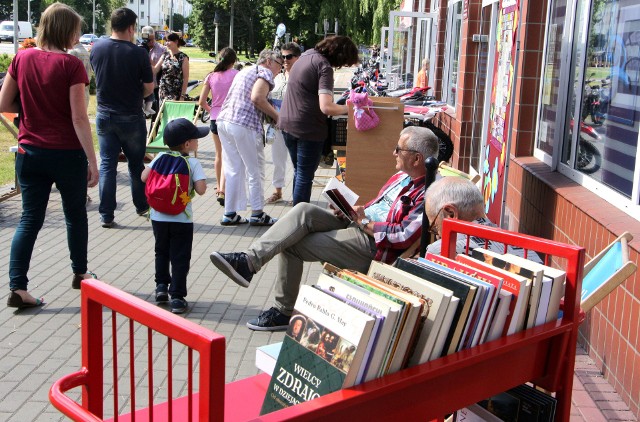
(148, 110)
(178, 305)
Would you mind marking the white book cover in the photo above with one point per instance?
(497, 323)
(553, 275)
(266, 357)
(545, 296)
(386, 309)
(335, 191)
(476, 413)
(536, 280)
(441, 339)
(438, 299)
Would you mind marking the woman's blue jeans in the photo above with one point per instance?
(305, 156)
(38, 169)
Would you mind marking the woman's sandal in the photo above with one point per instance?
(16, 301)
(233, 221)
(275, 197)
(220, 198)
(76, 281)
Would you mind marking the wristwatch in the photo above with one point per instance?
(363, 223)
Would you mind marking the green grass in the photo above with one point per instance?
(197, 70)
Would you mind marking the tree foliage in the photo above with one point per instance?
(256, 21)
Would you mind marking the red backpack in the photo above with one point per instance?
(168, 186)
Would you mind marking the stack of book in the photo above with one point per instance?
(352, 327)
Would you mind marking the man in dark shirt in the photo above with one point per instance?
(123, 79)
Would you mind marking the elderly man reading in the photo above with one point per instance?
(384, 229)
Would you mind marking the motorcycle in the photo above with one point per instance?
(595, 101)
(588, 157)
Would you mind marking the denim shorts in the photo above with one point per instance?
(214, 127)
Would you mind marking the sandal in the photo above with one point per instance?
(233, 221)
(275, 197)
(262, 220)
(77, 279)
(16, 301)
(220, 198)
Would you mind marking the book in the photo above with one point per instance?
(493, 288)
(322, 350)
(515, 284)
(503, 405)
(465, 292)
(551, 290)
(498, 320)
(437, 299)
(373, 339)
(266, 357)
(341, 198)
(475, 413)
(535, 405)
(402, 306)
(522, 269)
(408, 329)
(378, 305)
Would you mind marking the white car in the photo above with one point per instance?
(88, 39)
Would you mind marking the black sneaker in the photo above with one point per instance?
(107, 224)
(162, 293)
(234, 265)
(270, 320)
(178, 305)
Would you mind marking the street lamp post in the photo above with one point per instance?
(94, 17)
(231, 25)
(216, 22)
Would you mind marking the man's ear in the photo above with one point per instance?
(450, 211)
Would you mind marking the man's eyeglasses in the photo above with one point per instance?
(398, 149)
(433, 229)
(280, 63)
(289, 56)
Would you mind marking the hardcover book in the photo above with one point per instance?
(465, 292)
(341, 197)
(521, 268)
(408, 330)
(376, 305)
(520, 284)
(266, 357)
(322, 350)
(438, 300)
(493, 288)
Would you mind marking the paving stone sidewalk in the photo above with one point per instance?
(38, 346)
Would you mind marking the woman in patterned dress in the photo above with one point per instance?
(175, 70)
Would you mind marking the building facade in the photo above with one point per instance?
(156, 13)
(545, 100)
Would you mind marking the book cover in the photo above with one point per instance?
(322, 351)
(403, 307)
(341, 197)
(524, 269)
(266, 357)
(503, 405)
(498, 321)
(375, 341)
(514, 283)
(538, 402)
(494, 286)
(431, 321)
(408, 331)
(465, 292)
(476, 413)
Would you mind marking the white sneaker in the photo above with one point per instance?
(148, 110)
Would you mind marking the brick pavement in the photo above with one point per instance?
(38, 346)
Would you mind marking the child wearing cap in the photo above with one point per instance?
(174, 233)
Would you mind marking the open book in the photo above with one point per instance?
(341, 198)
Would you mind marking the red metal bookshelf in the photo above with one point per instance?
(544, 355)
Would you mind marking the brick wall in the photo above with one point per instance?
(547, 204)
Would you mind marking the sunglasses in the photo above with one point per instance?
(398, 149)
(280, 63)
(289, 56)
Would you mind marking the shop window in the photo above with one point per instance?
(589, 117)
(142, 14)
(452, 53)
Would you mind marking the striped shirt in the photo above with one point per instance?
(403, 226)
(237, 107)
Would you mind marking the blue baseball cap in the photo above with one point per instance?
(179, 131)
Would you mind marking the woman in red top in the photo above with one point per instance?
(55, 144)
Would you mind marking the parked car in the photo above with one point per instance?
(88, 39)
(190, 44)
(24, 31)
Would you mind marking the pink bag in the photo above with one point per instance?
(364, 117)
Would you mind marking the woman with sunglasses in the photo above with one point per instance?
(279, 153)
(307, 102)
(241, 135)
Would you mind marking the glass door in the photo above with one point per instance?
(409, 41)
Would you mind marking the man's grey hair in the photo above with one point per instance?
(422, 140)
(267, 54)
(457, 191)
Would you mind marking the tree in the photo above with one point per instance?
(178, 22)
